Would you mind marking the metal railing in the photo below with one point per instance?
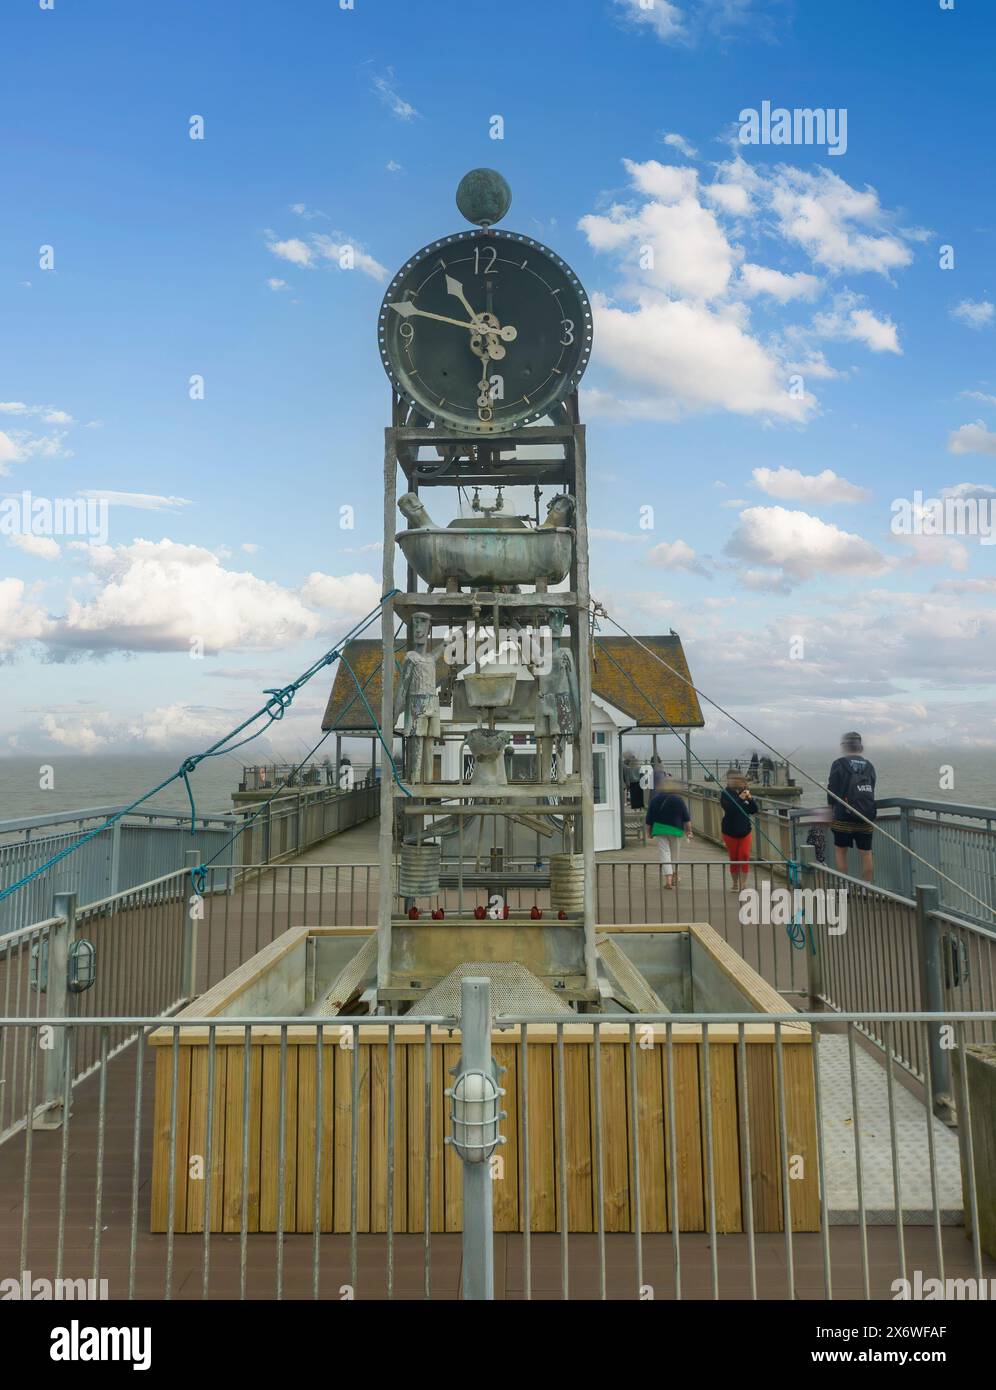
(264, 777)
(715, 769)
(594, 1200)
(147, 844)
(956, 841)
(153, 954)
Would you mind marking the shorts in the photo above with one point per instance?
(844, 839)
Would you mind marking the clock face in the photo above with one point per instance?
(485, 330)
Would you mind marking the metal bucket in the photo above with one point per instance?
(418, 876)
(567, 882)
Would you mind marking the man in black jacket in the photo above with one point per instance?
(852, 782)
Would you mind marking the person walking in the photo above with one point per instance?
(668, 822)
(850, 789)
(737, 828)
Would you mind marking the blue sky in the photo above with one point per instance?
(326, 127)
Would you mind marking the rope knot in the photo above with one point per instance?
(280, 701)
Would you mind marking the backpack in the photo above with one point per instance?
(859, 790)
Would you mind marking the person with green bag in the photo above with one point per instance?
(667, 823)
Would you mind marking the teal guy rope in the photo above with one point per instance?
(273, 710)
(198, 873)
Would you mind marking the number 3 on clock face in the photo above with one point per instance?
(485, 330)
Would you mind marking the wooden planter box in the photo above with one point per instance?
(630, 1123)
(977, 1089)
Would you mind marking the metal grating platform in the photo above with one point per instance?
(514, 990)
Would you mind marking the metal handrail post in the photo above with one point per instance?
(58, 1001)
(931, 968)
(814, 949)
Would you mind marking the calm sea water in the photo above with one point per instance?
(104, 780)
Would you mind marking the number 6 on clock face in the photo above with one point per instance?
(473, 300)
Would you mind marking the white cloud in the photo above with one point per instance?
(760, 279)
(597, 533)
(42, 547)
(972, 439)
(798, 546)
(45, 446)
(21, 619)
(142, 501)
(974, 313)
(935, 550)
(677, 330)
(790, 485)
(731, 197)
(393, 167)
(345, 596)
(839, 226)
(309, 214)
(385, 87)
(676, 555)
(691, 254)
(849, 321)
(679, 356)
(293, 249)
(276, 284)
(336, 250)
(983, 396)
(662, 17)
(250, 547)
(162, 595)
(679, 143)
(9, 452)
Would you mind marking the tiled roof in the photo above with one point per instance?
(622, 673)
(629, 678)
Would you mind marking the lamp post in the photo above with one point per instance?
(475, 1111)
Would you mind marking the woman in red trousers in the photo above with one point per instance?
(738, 807)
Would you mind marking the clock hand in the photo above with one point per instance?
(456, 290)
(406, 309)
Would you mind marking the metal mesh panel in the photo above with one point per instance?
(513, 991)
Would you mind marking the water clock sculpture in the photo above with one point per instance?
(485, 335)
